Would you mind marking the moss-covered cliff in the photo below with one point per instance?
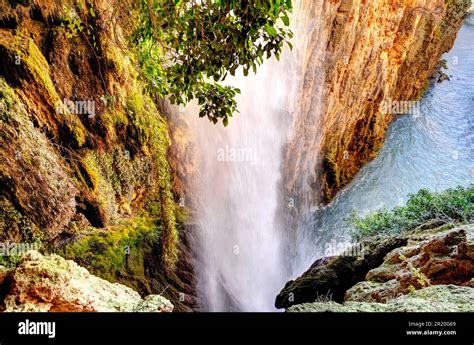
(83, 150)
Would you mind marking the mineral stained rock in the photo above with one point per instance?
(361, 56)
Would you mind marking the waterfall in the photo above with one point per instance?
(256, 190)
(302, 152)
(243, 258)
(240, 251)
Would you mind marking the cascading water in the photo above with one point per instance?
(241, 255)
(246, 252)
(237, 198)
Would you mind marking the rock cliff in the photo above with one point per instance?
(360, 56)
(84, 164)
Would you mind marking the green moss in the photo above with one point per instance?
(182, 215)
(153, 135)
(102, 186)
(121, 62)
(103, 251)
(423, 91)
(30, 55)
(92, 170)
(6, 102)
(116, 178)
(14, 224)
(113, 120)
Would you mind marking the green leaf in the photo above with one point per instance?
(205, 42)
(271, 30)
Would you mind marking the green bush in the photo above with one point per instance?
(454, 205)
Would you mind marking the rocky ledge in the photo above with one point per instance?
(437, 298)
(428, 269)
(52, 284)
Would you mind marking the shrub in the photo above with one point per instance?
(454, 205)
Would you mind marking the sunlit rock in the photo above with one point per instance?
(439, 298)
(52, 284)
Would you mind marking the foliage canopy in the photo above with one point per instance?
(188, 47)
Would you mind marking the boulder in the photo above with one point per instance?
(52, 284)
(389, 267)
(442, 258)
(333, 276)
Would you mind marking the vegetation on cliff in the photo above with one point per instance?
(453, 206)
(112, 163)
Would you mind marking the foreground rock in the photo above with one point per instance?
(52, 284)
(439, 298)
(388, 269)
(331, 277)
(446, 258)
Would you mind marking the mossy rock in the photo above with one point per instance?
(102, 252)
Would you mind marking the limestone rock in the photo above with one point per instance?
(388, 268)
(439, 298)
(52, 284)
(446, 258)
(332, 276)
(154, 303)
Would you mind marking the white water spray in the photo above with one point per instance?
(242, 265)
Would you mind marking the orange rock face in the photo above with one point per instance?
(360, 55)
